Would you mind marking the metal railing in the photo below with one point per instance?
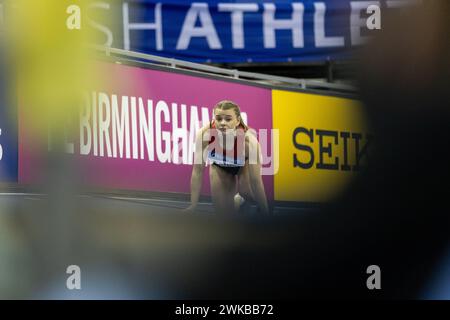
(234, 73)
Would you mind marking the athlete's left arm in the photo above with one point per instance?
(254, 164)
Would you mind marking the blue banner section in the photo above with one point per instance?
(237, 31)
(8, 129)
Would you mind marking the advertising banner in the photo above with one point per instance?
(8, 130)
(324, 142)
(136, 130)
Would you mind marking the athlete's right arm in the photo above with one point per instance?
(198, 168)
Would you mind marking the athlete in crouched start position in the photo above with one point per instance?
(234, 153)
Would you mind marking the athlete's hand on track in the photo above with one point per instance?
(190, 209)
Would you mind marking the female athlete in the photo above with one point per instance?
(234, 154)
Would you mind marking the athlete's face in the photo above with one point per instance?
(226, 119)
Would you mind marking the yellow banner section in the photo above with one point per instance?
(323, 142)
